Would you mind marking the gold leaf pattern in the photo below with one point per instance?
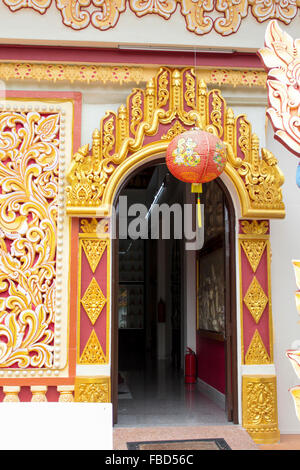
(256, 300)
(175, 130)
(254, 250)
(96, 390)
(260, 408)
(94, 250)
(92, 353)
(257, 353)
(255, 226)
(29, 151)
(104, 14)
(93, 301)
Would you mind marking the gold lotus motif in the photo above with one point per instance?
(296, 264)
(294, 357)
(295, 392)
(256, 300)
(297, 297)
(93, 301)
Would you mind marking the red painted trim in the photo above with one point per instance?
(99, 56)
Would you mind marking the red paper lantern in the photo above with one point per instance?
(196, 156)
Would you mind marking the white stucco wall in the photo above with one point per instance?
(285, 243)
(27, 26)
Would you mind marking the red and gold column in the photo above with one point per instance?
(259, 394)
(93, 378)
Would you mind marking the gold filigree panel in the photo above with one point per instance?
(260, 408)
(32, 254)
(256, 299)
(254, 250)
(94, 250)
(93, 301)
(257, 353)
(173, 100)
(201, 16)
(93, 352)
(92, 389)
(60, 72)
(254, 227)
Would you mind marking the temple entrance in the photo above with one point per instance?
(168, 298)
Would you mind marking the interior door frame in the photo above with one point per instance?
(231, 316)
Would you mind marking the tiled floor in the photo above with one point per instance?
(160, 398)
(287, 442)
(162, 405)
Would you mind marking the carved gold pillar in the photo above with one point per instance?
(11, 393)
(94, 293)
(66, 393)
(38, 393)
(92, 389)
(93, 354)
(260, 408)
(259, 396)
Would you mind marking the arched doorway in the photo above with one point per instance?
(146, 349)
(136, 135)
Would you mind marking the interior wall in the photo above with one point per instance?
(211, 362)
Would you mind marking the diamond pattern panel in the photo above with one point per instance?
(256, 299)
(93, 301)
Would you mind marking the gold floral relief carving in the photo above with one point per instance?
(257, 180)
(255, 227)
(254, 250)
(89, 225)
(196, 19)
(256, 300)
(257, 353)
(56, 72)
(94, 250)
(176, 129)
(234, 11)
(39, 5)
(29, 179)
(283, 10)
(93, 352)
(164, 8)
(93, 301)
(92, 389)
(260, 408)
(105, 14)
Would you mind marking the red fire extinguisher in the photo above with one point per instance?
(190, 367)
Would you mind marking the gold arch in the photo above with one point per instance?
(173, 101)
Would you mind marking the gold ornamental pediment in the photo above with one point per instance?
(173, 101)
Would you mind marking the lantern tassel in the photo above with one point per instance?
(197, 188)
(199, 212)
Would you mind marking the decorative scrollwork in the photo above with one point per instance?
(164, 8)
(105, 14)
(29, 150)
